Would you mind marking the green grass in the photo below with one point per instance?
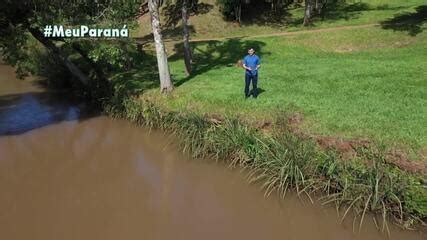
(212, 25)
(356, 83)
(282, 161)
(368, 83)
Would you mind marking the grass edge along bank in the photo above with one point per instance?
(283, 161)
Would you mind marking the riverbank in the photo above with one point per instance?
(336, 115)
(364, 83)
(111, 179)
(335, 130)
(283, 161)
(338, 111)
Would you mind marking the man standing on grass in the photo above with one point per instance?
(251, 63)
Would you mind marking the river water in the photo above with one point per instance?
(67, 174)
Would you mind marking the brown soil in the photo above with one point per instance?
(295, 119)
(347, 148)
(400, 159)
(423, 153)
(264, 126)
(214, 118)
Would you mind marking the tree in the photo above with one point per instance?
(186, 37)
(162, 60)
(308, 12)
(18, 18)
(231, 8)
(179, 11)
(21, 17)
(312, 7)
(60, 55)
(318, 6)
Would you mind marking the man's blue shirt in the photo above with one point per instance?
(252, 62)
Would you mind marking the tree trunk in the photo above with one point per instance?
(99, 72)
(308, 12)
(238, 12)
(318, 6)
(162, 59)
(186, 36)
(74, 70)
(274, 5)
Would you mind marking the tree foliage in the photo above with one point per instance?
(234, 9)
(22, 18)
(229, 8)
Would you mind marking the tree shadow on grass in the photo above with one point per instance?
(260, 13)
(216, 54)
(334, 11)
(173, 11)
(408, 22)
(143, 76)
(341, 10)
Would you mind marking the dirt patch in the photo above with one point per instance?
(423, 154)
(264, 126)
(347, 148)
(296, 119)
(400, 159)
(214, 118)
(400, 44)
(344, 50)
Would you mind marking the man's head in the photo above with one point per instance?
(251, 51)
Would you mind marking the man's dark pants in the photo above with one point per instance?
(248, 79)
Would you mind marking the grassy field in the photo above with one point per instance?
(209, 23)
(367, 82)
(357, 83)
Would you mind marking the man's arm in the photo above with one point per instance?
(258, 64)
(247, 68)
(244, 65)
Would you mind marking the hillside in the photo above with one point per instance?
(210, 23)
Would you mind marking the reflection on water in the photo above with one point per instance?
(23, 112)
(24, 106)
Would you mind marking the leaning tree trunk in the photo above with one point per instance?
(162, 60)
(74, 70)
(186, 36)
(98, 70)
(308, 12)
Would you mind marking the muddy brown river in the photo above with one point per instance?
(67, 174)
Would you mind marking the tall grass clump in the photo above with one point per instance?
(369, 184)
(282, 161)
